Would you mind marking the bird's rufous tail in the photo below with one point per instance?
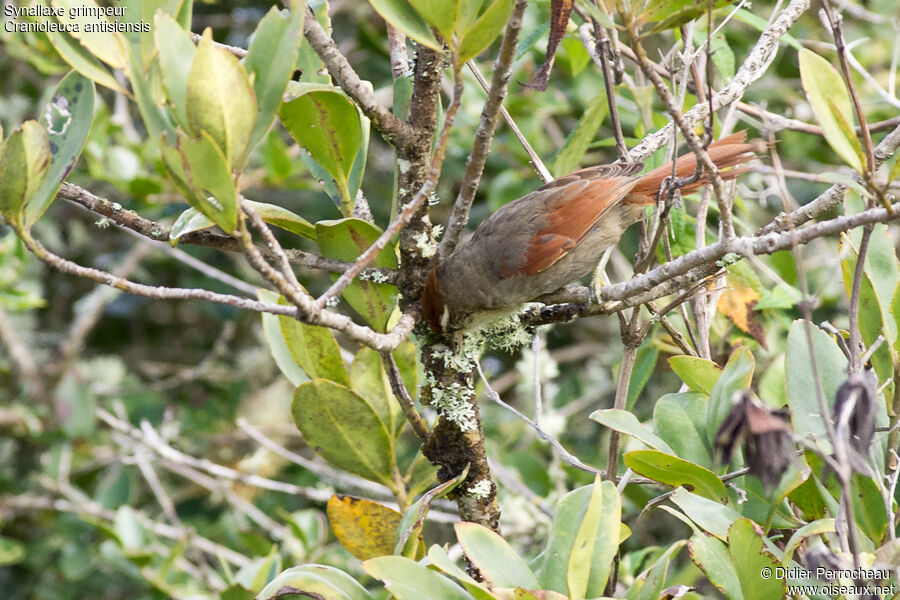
(728, 152)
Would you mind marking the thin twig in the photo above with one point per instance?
(407, 404)
(485, 132)
(411, 208)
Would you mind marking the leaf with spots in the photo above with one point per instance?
(365, 528)
(674, 471)
(67, 119)
(24, 161)
(221, 101)
(346, 239)
(327, 125)
(343, 428)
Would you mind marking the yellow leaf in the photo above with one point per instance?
(365, 528)
(737, 304)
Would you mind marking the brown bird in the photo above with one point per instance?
(553, 236)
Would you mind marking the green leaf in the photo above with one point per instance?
(309, 63)
(649, 585)
(368, 379)
(709, 515)
(817, 527)
(712, 556)
(575, 53)
(128, 529)
(443, 15)
(401, 15)
(557, 562)
(67, 118)
(497, 562)
(408, 580)
(176, 53)
(699, 374)
(94, 32)
(410, 542)
(831, 365)
(830, 102)
(485, 30)
(579, 139)
(675, 471)
(220, 101)
(680, 420)
(24, 161)
(441, 560)
(328, 126)
(278, 346)
(283, 218)
(199, 167)
(760, 24)
(157, 119)
(189, 221)
(735, 377)
(596, 543)
(315, 350)
(625, 422)
(343, 428)
(271, 58)
(11, 551)
(83, 61)
(673, 13)
(871, 323)
(346, 239)
(644, 366)
(322, 581)
(883, 272)
(745, 544)
(869, 512)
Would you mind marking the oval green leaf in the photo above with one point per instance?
(346, 239)
(675, 472)
(408, 580)
(271, 58)
(67, 118)
(316, 581)
(221, 101)
(494, 558)
(745, 544)
(625, 422)
(401, 15)
(328, 126)
(24, 162)
(344, 429)
(699, 374)
(680, 420)
(176, 53)
(831, 104)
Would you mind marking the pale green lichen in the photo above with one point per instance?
(453, 402)
(728, 260)
(373, 275)
(480, 489)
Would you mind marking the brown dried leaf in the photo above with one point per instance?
(559, 21)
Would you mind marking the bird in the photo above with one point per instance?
(553, 236)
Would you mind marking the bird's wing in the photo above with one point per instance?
(574, 204)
